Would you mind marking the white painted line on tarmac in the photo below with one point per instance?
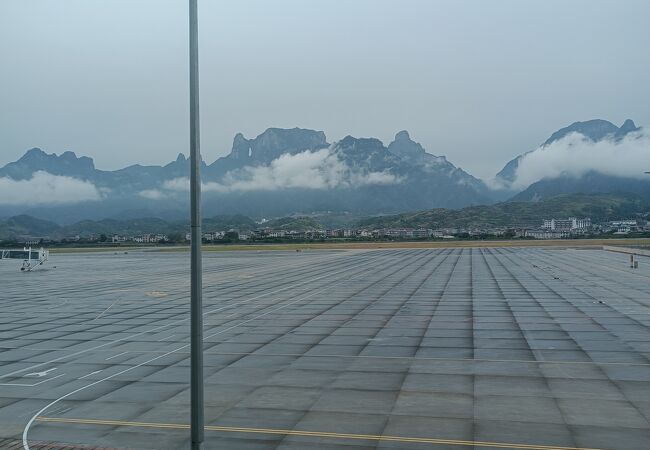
(176, 322)
(171, 352)
(104, 312)
(32, 384)
(115, 356)
(89, 374)
(40, 374)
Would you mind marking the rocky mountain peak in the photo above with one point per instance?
(404, 147)
(363, 144)
(275, 142)
(69, 156)
(402, 136)
(241, 147)
(33, 154)
(595, 130)
(35, 159)
(627, 127)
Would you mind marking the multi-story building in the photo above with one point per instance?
(623, 223)
(315, 234)
(562, 224)
(580, 224)
(547, 234)
(623, 226)
(571, 223)
(213, 235)
(422, 233)
(148, 238)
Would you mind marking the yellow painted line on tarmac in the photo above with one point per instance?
(321, 434)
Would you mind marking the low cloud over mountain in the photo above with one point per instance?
(576, 155)
(278, 172)
(43, 188)
(320, 169)
(283, 171)
(588, 157)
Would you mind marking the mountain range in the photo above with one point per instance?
(288, 171)
(590, 181)
(598, 207)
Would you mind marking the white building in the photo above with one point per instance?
(422, 233)
(580, 224)
(150, 238)
(624, 226)
(213, 236)
(547, 234)
(571, 223)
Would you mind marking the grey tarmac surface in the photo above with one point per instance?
(497, 348)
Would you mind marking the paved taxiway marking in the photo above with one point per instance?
(40, 374)
(89, 374)
(320, 434)
(33, 384)
(411, 358)
(176, 322)
(171, 352)
(104, 311)
(115, 356)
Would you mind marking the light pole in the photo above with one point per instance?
(196, 306)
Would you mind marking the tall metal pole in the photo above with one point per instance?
(196, 308)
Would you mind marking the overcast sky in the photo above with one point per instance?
(477, 81)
